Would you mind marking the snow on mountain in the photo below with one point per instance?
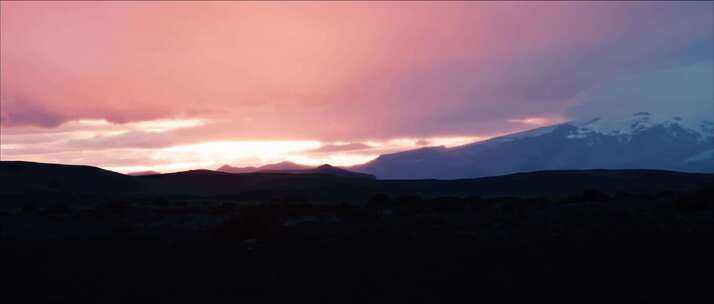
(624, 126)
(524, 134)
(638, 122)
(639, 140)
(702, 156)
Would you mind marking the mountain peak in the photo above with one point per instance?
(642, 140)
(634, 123)
(230, 169)
(225, 167)
(284, 165)
(142, 173)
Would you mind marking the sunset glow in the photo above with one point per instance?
(165, 86)
(357, 151)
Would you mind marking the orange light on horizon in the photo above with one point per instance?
(211, 155)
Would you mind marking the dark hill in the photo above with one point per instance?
(231, 169)
(25, 180)
(323, 169)
(141, 173)
(18, 177)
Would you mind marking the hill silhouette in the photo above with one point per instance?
(322, 169)
(140, 173)
(293, 168)
(26, 180)
(281, 166)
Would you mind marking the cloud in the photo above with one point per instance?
(682, 91)
(145, 134)
(341, 147)
(422, 142)
(100, 77)
(335, 72)
(132, 139)
(536, 121)
(23, 112)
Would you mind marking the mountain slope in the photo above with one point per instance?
(639, 141)
(231, 169)
(293, 168)
(323, 169)
(140, 173)
(281, 166)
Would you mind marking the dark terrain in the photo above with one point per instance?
(42, 185)
(81, 233)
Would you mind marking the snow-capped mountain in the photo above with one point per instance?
(636, 141)
(629, 126)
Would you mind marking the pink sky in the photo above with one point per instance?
(164, 85)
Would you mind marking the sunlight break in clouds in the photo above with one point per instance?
(121, 84)
(213, 154)
(162, 125)
(364, 152)
(537, 121)
(105, 144)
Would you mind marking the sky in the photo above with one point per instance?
(169, 86)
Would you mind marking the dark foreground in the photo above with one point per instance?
(589, 247)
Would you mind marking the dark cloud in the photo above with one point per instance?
(130, 139)
(349, 72)
(25, 111)
(423, 142)
(341, 148)
(685, 91)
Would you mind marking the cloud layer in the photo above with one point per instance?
(327, 72)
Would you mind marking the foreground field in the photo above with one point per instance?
(589, 246)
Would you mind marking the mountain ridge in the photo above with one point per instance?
(293, 168)
(639, 141)
(281, 166)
